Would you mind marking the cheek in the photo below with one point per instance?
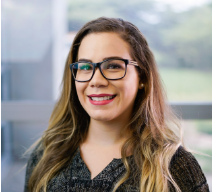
(128, 91)
(130, 85)
(80, 88)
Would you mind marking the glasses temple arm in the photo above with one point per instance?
(133, 63)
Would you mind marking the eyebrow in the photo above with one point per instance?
(106, 58)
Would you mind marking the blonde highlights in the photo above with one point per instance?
(155, 130)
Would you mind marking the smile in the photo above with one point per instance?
(101, 99)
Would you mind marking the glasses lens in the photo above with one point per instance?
(113, 69)
(82, 71)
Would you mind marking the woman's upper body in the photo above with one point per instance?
(112, 107)
(77, 177)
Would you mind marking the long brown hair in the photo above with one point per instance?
(155, 131)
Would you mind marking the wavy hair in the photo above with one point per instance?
(156, 134)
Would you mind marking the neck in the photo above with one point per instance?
(107, 134)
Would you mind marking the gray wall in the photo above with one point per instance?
(26, 59)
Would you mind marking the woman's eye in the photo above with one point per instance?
(114, 66)
(85, 67)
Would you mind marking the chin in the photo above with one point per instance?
(102, 117)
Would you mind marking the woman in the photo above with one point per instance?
(111, 129)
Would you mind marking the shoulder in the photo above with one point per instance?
(35, 155)
(187, 172)
(32, 162)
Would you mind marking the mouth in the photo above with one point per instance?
(102, 98)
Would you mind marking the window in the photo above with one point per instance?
(36, 38)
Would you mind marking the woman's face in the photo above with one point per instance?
(96, 47)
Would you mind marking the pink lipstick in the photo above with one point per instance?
(101, 99)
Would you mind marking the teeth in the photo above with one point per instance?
(101, 98)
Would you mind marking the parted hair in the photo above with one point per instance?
(156, 134)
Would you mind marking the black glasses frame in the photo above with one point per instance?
(126, 61)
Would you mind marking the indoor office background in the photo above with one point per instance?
(36, 38)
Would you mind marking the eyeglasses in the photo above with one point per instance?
(111, 69)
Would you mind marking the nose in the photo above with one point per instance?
(98, 80)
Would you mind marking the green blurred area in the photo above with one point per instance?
(178, 39)
(205, 160)
(198, 138)
(187, 84)
(204, 127)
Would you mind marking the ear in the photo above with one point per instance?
(141, 86)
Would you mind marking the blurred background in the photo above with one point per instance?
(36, 37)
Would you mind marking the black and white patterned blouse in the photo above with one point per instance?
(77, 177)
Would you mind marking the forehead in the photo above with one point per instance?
(97, 46)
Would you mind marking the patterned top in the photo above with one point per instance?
(76, 176)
